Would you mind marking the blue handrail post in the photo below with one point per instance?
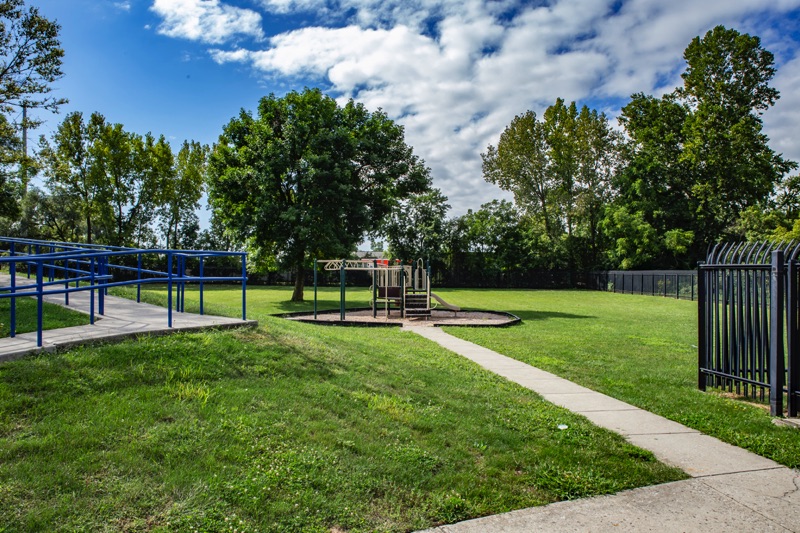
(101, 268)
(66, 281)
(178, 261)
(52, 273)
(91, 291)
(39, 301)
(139, 278)
(179, 273)
(183, 283)
(30, 248)
(12, 268)
(201, 284)
(169, 289)
(244, 286)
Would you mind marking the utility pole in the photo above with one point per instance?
(24, 166)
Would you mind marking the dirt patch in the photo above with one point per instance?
(439, 317)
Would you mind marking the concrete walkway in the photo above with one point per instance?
(123, 319)
(731, 489)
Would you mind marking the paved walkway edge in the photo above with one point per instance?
(731, 489)
(123, 319)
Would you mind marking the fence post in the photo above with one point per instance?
(374, 288)
(776, 352)
(793, 374)
(701, 329)
(342, 290)
(315, 289)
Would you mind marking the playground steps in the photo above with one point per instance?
(417, 305)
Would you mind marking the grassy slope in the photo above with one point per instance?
(639, 349)
(290, 427)
(54, 316)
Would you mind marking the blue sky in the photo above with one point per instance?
(453, 72)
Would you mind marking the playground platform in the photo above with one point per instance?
(123, 319)
(730, 489)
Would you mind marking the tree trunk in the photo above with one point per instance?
(299, 282)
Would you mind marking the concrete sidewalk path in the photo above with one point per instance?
(123, 319)
(731, 489)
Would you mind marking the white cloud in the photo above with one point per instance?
(455, 72)
(123, 6)
(208, 21)
(781, 122)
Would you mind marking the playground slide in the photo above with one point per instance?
(445, 304)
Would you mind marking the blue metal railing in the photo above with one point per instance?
(64, 268)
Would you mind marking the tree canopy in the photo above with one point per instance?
(114, 186)
(697, 160)
(306, 177)
(559, 170)
(30, 61)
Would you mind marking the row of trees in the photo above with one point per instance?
(305, 177)
(103, 184)
(686, 170)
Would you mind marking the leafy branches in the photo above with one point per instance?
(307, 177)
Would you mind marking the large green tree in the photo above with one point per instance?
(521, 164)
(30, 61)
(118, 181)
(30, 57)
(559, 170)
(726, 86)
(306, 177)
(698, 165)
(69, 165)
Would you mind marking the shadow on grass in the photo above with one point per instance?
(546, 315)
(322, 305)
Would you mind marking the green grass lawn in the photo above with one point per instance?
(288, 427)
(639, 349)
(53, 316)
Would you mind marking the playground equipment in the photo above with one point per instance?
(405, 287)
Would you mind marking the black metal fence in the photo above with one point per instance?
(681, 284)
(748, 322)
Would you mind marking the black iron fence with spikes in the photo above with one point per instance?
(748, 332)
